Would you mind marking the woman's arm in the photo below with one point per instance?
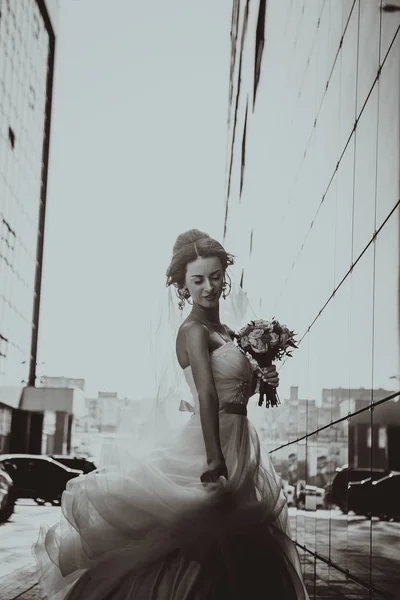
(197, 338)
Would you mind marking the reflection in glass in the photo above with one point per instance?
(365, 176)
(343, 218)
(300, 484)
(360, 395)
(348, 66)
(368, 50)
(333, 584)
(381, 497)
(359, 529)
(309, 568)
(326, 465)
(388, 134)
(308, 492)
(386, 357)
(290, 484)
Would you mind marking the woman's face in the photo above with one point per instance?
(204, 280)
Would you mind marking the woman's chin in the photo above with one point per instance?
(208, 302)
(211, 303)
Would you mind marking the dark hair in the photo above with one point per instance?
(191, 245)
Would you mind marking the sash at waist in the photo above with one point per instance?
(235, 408)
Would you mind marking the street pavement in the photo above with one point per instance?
(18, 578)
(350, 540)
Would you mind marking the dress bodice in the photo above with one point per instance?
(232, 373)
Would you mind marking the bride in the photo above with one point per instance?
(201, 516)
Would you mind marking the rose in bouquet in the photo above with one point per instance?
(265, 342)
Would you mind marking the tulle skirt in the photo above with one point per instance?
(147, 528)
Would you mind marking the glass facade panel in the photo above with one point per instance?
(386, 338)
(380, 501)
(389, 25)
(301, 538)
(368, 49)
(343, 222)
(388, 192)
(365, 176)
(347, 64)
(326, 465)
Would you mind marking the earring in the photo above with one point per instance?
(183, 295)
(226, 287)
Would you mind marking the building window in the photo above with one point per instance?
(5, 420)
(369, 437)
(382, 438)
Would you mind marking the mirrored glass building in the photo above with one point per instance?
(27, 55)
(313, 214)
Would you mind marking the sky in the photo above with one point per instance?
(138, 155)
(138, 151)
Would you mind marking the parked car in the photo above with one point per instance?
(379, 497)
(75, 462)
(7, 496)
(345, 475)
(358, 496)
(38, 477)
(385, 496)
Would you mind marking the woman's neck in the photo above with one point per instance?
(211, 315)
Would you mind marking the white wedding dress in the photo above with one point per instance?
(152, 531)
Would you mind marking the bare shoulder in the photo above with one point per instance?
(192, 329)
(192, 339)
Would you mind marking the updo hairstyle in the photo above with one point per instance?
(189, 246)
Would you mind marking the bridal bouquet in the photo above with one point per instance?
(266, 341)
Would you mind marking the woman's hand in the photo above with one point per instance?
(214, 472)
(270, 376)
